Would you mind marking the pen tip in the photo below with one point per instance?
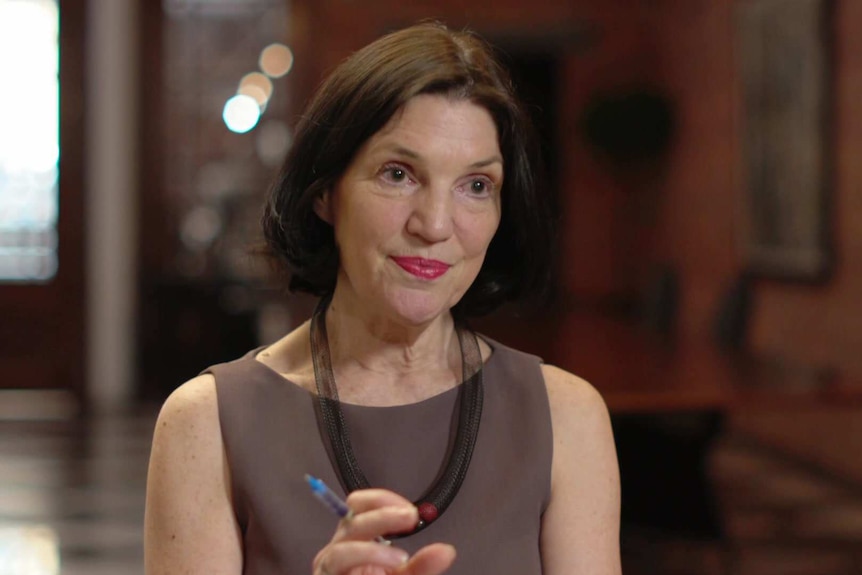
(314, 482)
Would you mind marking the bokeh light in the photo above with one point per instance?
(276, 60)
(255, 92)
(241, 113)
(255, 82)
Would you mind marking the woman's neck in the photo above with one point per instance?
(375, 357)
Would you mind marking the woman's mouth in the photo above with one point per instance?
(421, 267)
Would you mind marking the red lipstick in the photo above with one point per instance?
(421, 267)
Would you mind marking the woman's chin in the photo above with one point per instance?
(419, 309)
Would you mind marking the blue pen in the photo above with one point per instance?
(334, 502)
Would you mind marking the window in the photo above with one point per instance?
(29, 139)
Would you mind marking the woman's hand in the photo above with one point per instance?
(353, 550)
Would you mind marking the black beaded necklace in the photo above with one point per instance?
(441, 494)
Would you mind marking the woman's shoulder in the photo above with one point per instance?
(571, 390)
(187, 438)
(189, 521)
(580, 528)
(578, 411)
(191, 407)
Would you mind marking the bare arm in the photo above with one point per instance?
(189, 526)
(580, 528)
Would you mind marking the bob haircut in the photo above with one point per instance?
(358, 99)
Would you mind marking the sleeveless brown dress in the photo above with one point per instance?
(272, 440)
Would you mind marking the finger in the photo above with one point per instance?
(370, 524)
(363, 500)
(342, 557)
(430, 560)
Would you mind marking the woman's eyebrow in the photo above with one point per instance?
(414, 155)
(402, 151)
(488, 162)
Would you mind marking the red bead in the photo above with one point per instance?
(427, 512)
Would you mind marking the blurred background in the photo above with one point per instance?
(703, 161)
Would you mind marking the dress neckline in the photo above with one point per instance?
(491, 360)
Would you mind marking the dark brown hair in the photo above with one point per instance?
(359, 98)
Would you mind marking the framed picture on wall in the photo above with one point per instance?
(784, 61)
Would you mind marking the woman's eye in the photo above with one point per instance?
(395, 174)
(481, 187)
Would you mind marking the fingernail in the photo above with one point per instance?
(399, 557)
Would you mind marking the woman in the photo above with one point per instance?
(408, 203)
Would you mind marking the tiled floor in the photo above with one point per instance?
(72, 497)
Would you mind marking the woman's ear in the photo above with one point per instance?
(323, 207)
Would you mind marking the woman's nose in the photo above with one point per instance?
(432, 215)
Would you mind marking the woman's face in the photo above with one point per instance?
(416, 209)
